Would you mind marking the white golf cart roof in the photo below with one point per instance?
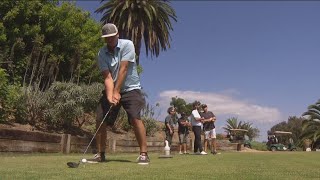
(282, 132)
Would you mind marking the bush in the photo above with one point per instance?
(220, 136)
(16, 103)
(69, 102)
(150, 125)
(3, 93)
(259, 146)
(36, 102)
(10, 96)
(148, 119)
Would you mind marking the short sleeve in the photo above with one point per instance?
(166, 121)
(196, 114)
(102, 61)
(128, 52)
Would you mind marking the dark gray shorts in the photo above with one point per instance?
(183, 138)
(132, 102)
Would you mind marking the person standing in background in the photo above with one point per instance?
(169, 122)
(183, 131)
(196, 121)
(209, 129)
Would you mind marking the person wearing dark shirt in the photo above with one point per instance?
(183, 131)
(169, 122)
(209, 129)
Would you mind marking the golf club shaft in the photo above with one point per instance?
(105, 116)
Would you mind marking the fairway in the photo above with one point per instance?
(228, 165)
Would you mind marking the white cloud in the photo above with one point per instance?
(224, 104)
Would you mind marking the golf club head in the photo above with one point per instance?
(73, 164)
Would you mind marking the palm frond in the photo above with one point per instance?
(136, 20)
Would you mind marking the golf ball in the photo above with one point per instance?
(83, 160)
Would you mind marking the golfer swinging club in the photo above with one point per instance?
(117, 63)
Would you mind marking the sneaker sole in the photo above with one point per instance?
(143, 163)
(96, 160)
(92, 162)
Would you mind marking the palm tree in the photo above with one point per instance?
(232, 123)
(141, 19)
(252, 132)
(311, 126)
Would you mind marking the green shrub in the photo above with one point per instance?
(16, 104)
(3, 93)
(150, 125)
(148, 119)
(259, 146)
(69, 102)
(36, 102)
(220, 136)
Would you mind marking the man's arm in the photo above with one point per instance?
(168, 126)
(208, 120)
(121, 77)
(167, 120)
(197, 116)
(213, 117)
(109, 86)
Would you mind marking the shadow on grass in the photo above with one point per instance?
(118, 160)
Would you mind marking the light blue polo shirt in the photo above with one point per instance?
(111, 62)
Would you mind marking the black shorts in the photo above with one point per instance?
(132, 102)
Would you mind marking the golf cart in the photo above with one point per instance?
(239, 136)
(280, 141)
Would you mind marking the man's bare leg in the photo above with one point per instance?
(101, 134)
(140, 132)
(213, 145)
(185, 147)
(101, 140)
(205, 145)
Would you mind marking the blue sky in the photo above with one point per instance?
(257, 61)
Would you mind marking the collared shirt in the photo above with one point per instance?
(195, 114)
(124, 51)
(207, 126)
(169, 120)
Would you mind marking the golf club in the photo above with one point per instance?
(76, 164)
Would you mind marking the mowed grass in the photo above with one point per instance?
(228, 165)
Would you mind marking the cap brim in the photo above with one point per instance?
(109, 35)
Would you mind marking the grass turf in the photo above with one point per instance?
(228, 165)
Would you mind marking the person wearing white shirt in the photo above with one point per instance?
(196, 121)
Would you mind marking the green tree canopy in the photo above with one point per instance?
(294, 125)
(48, 41)
(181, 105)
